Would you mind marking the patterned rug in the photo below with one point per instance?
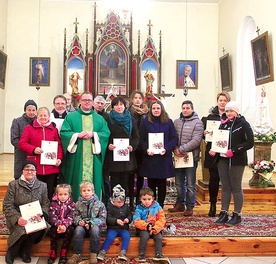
(130, 261)
(256, 225)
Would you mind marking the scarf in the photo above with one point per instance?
(29, 184)
(139, 110)
(123, 119)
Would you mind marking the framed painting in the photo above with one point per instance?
(262, 61)
(186, 74)
(39, 71)
(225, 73)
(3, 67)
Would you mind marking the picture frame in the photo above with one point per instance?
(3, 68)
(191, 79)
(262, 61)
(39, 71)
(225, 72)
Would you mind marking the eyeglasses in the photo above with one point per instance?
(87, 100)
(29, 170)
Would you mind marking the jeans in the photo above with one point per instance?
(144, 237)
(185, 181)
(94, 234)
(112, 234)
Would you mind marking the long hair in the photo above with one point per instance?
(164, 117)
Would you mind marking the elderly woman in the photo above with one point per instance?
(31, 143)
(24, 190)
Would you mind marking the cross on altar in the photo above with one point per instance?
(76, 26)
(150, 26)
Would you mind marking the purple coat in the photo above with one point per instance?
(157, 166)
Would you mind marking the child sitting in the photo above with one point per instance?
(118, 218)
(149, 219)
(62, 210)
(90, 215)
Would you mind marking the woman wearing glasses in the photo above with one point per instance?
(21, 191)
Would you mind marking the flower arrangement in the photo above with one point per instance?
(265, 138)
(264, 168)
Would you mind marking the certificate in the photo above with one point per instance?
(32, 212)
(186, 161)
(49, 154)
(121, 152)
(220, 141)
(156, 142)
(211, 125)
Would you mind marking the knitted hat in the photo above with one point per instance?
(118, 193)
(233, 105)
(28, 162)
(28, 103)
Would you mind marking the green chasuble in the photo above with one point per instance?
(83, 164)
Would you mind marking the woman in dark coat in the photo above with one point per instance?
(24, 190)
(121, 126)
(158, 167)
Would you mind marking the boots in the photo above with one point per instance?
(52, 257)
(235, 219)
(223, 218)
(177, 208)
(213, 209)
(63, 256)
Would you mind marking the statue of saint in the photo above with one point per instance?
(74, 82)
(149, 81)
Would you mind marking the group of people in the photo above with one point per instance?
(86, 172)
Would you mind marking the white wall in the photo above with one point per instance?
(170, 18)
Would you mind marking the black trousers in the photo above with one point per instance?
(213, 184)
(160, 185)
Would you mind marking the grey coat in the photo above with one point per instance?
(190, 131)
(19, 193)
(17, 127)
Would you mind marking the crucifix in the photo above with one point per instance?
(163, 96)
(76, 26)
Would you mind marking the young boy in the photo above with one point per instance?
(118, 218)
(90, 215)
(149, 219)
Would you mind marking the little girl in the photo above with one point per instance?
(62, 210)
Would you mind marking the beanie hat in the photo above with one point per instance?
(118, 193)
(233, 105)
(28, 103)
(28, 162)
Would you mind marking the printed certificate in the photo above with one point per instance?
(186, 161)
(49, 154)
(220, 141)
(32, 212)
(211, 125)
(156, 142)
(121, 152)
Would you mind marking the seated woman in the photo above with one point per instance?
(24, 190)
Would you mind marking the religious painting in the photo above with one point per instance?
(225, 73)
(3, 67)
(262, 61)
(39, 71)
(75, 77)
(186, 74)
(149, 77)
(112, 72)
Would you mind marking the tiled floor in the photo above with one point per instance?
(195, 260)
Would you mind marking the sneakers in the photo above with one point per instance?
(122, 255)
(63, 257)
(101, 255)
(142, 258)
(52, 257)
(159, 257)
(223, 218)
(177, 208)
(93, 258)
(235, 219)
(188, 212)
(75, 259)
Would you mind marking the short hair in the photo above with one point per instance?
(60, 96)
(86, 92)
(100, 98)
(42, 109)
(164, 117)
(188, 102)
(116, 100)
(225, 94)
(86, 184)
(146, 191)
(64, 186)
(137, 92)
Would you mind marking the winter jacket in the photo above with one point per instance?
(153, 215)
(19, 193)
(92, 210)
(114, 213)
(157, 166)
(31, 138)
(190, 131)
(61, 213)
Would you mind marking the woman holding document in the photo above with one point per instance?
(158, 138)
(231, 163)
(23, 191)
(41, 142)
